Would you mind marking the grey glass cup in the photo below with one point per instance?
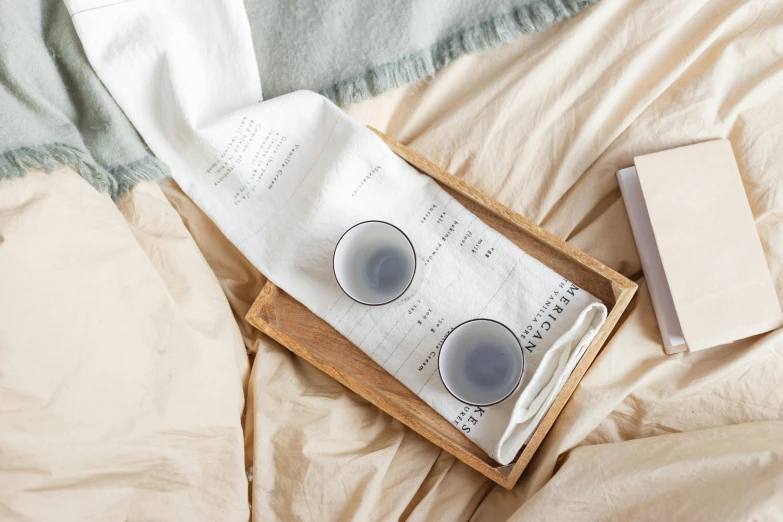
(374, 263)
(481, 362)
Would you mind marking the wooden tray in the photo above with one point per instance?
(291, 324)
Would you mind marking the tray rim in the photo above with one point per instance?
(623, 290)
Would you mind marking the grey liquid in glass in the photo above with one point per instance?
(388, 270)
(488, 367)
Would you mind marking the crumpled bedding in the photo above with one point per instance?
(122, 369)
(123, 365)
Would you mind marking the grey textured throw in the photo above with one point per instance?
(349, 50)
(55, 111)
(53, 108)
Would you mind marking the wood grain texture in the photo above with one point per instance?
(291, 324)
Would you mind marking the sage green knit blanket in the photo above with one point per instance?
(55, 111)
(349, 50)
(53, 108)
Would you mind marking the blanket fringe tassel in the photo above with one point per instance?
(528, 18)
(114, 181)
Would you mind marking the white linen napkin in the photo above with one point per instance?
(283, 179)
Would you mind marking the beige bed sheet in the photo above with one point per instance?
(121, 367)
(541, 124)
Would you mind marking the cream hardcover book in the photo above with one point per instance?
(701, 255)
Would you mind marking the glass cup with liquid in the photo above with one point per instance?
(374, 262)
(481, 362)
